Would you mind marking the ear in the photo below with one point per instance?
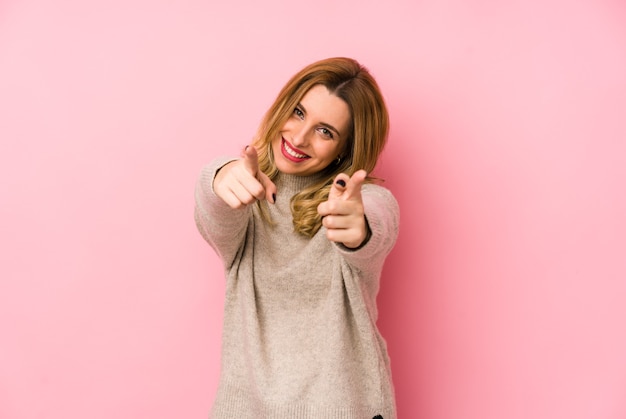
(346, 151)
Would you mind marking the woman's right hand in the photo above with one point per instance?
(241, 183)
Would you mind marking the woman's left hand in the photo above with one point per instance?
(343, 214)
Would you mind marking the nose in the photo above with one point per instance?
(300, 137)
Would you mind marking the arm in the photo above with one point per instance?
(382, 215)
(223, 195)
(220, 225)
(361, 219)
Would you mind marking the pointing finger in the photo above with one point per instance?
(251, 160)
(353, 188)
(346, 187)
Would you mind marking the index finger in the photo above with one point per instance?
(251, 160)
(353, 187)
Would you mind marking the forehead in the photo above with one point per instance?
(323, 106)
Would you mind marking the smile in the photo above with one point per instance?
(292, 154)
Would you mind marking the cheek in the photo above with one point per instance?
(275, 145)
(288, 125)
(331, 151)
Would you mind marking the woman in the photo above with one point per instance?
(303, 233)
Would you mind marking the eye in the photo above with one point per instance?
(326, 132)
(298, 112)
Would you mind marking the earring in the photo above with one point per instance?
(338, 160)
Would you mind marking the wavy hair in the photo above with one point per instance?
(352, 82)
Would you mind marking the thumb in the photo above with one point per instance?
(346, 187)
(250, 160)
(339, 186)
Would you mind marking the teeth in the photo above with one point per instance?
(293, 153)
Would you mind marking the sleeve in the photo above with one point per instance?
(224, 228)
(382, 214)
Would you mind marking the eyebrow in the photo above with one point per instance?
(324, 124)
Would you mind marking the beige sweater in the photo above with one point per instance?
(300, 337)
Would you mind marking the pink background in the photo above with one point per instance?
(506, 294)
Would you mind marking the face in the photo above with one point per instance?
(314, 135)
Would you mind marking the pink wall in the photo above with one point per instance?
(505, 296)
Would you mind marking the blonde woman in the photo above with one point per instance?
(303, 231)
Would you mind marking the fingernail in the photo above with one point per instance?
(274, 197)
(341, 183)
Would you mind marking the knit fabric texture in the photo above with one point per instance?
(299, 336)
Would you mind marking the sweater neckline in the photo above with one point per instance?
(296, 183)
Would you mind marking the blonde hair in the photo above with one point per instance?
(350, 81)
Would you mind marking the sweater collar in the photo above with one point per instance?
(296, 183)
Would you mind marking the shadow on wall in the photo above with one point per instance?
(402, 315)
(405, 308)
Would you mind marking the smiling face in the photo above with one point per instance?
(314, 135)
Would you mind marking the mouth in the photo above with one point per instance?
(291, 153)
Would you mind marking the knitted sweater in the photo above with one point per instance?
(299, 337)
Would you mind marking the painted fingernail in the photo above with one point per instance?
(341, 183)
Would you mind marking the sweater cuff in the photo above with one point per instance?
(382, 216)
(207, 176)
(368, 236)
